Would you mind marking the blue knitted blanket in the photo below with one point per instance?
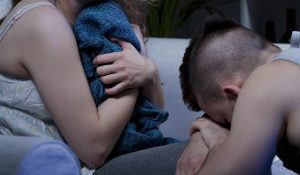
(93, 28)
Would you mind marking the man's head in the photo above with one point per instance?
(216, 64)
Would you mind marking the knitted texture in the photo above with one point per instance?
(93, 28)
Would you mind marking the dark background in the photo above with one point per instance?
(254, 14)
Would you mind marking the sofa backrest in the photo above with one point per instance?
(168, 54)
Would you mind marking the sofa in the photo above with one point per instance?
(29, 155)
(167, 54)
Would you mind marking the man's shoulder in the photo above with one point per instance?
(285, 68)
(277, 80)
(277, 71)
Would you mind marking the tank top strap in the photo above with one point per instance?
(8, 24)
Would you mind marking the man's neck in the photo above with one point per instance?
(270, 56)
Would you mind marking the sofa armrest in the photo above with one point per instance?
(32, 155)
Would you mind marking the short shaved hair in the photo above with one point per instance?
(219, 50)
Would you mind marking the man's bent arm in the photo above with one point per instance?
(257, 120)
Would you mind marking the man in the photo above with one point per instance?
(240, 79)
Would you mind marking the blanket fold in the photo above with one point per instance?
(93, 28)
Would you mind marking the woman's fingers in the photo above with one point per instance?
(107, 58)
(113, 78)
(125, 45)
(110, 58)
(106, 70)
(127, 69)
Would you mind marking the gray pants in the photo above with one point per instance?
(154, 161)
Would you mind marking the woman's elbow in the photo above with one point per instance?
(96, 156)
(95, 161)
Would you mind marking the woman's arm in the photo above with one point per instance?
(51, 57)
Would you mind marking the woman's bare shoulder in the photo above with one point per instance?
(44, 22)
(43, 27)
(40, 27)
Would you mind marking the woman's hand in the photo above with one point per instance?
(126, 69)
(130, 69)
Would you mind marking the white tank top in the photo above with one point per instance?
(22, 111)
(292, 54)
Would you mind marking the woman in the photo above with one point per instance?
(40, 67)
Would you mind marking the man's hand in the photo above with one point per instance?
(212, 134)
(193, 156)
(206, 137)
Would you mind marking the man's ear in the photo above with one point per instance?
(232, 87)
(231, 90)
